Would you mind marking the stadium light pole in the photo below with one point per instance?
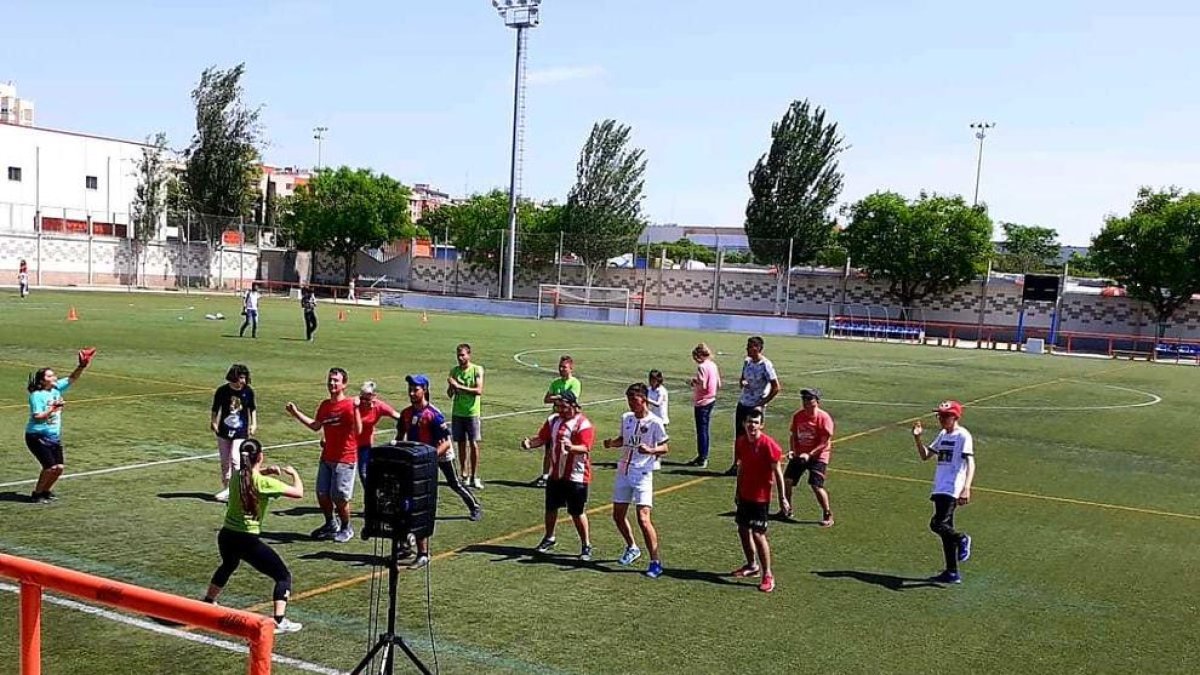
(981, 129)
(521, 15)
(319, 134)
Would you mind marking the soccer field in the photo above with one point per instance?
(1085, 512)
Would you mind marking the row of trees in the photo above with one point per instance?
(921, 247)
(936, 243)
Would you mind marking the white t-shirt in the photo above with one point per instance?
(251, 301)
(657, 398)
(952, 450)
(758, 376)
(648, 430)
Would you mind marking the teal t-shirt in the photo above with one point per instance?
(237, 519)
(467, 405)
(39, 402)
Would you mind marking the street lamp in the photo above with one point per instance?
(981, 129)
(521, 15)
(319, 134)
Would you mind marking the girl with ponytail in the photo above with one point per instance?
(240, 538)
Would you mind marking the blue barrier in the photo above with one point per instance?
(891, 331)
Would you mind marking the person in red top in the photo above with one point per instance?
(757, 457)
(338, 419)
(568, 435)
(811, 446)
(371, 409)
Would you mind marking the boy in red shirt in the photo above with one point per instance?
(338, 419)
(757, 458)
(811, 445)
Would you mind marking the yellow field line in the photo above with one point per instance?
(1030, 495)
(353, 581)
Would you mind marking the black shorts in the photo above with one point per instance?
(753, 516)
(47, 449)
(560, 493)
(796, 468)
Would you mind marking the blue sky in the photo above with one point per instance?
(1090, 99)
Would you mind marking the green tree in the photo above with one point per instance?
(477, 225)
(1028, 248)
(927, 247)
(1154, 251)
(603, 215)
(685, 249)
(793, 187)
(1082, 265)
(222, 161)
(150, 195)
(343, 211)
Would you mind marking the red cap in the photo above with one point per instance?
(952, 407)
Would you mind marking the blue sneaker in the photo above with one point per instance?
(964, 548)
(947, 578)
(631, 554)
(655, 569)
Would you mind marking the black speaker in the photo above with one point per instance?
(401, 491)
(1042, 287)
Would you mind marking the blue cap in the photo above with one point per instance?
(418, 381)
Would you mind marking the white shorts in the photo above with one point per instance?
(634, 488)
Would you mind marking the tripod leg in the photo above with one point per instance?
(412, 655)
(362, 665)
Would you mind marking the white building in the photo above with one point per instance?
(69, 179)
(14, 110)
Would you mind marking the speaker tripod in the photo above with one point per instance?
(390, 640)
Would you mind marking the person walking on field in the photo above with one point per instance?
(234, 419)
(308, 302)
(43, 430)
(954, 448)
(757, 457)
(760, 385)
(464, 386)
(811, 442)
(250, 311)
(704, 384)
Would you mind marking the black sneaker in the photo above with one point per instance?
(39, 498)
(585, 553)
(50, 496)
(546, 545)
(731, 471)
(540, 481)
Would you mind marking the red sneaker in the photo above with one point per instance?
(767, 585)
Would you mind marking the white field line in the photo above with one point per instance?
(211, 455)
(1151, 399)
(174, 632)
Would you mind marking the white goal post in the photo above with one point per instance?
(556, 300)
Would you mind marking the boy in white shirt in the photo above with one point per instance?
(250, 310)
(643, 441)
(657, 396)
(954, 449)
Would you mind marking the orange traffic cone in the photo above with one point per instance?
(424, 317)
(71, 315)
(341, 315)
(377, 316)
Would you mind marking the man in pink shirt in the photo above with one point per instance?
(704, 384)
(811, 446)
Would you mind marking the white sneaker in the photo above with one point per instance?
(222, 496)
(421, 561)
(287, 626)
(476, 483)
(631, 554)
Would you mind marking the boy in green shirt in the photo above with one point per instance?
(465, 388)
(566, 382)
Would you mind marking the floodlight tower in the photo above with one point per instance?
(981, 129)
(521, 15)
(319, 135)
